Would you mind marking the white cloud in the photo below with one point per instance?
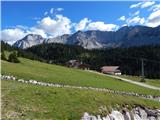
(51, 10)
(51, 27)
(154, 15)
(124, 25)
(99, 25)
(143, 4)
(86, 24)
(154, 19)
(21, 27)
(47, 27)
(136, 13)
(133, 14)
(142, 21)
(11, 35)
(135, 20)
(82, 24)
(155, 7)
(59, 9)
(36, 18)
(58, 26)
(34, 30)
(147, 4)
(122, 18)
(136, 5)
(45, 13)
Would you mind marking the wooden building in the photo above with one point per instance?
(77, 64)
(114, 70)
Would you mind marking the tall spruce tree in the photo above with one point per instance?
(13, 58)
(3, 56)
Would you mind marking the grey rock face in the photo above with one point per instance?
(84, 40)
(124, 37)
(60, 39)
(29, 41)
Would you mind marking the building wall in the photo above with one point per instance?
(113, 73)
(119, 73)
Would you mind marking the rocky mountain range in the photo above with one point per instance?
(29, 41)
(124, 37)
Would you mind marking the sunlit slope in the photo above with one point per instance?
(29, 69)
(25, 101)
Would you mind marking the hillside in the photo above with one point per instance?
(25, 101)
(29, 69)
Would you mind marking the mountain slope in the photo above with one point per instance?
(60, 39)
(124, 37)
(82, 39)
(29, 41)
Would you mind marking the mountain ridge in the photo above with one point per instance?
(126, 36)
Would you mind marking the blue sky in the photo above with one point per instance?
(51, 19)
(25, 11)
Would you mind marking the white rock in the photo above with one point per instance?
(143, 114)
(117, 115)
(34, 82)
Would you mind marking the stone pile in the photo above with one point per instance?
(7, 77)
(137, 113)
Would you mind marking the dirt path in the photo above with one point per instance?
(130, 81)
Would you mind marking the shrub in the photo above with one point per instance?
(13, 58)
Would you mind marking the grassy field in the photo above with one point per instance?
(25, 101)
(29, 69)
(154, 82)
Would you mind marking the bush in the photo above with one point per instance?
(13, 58)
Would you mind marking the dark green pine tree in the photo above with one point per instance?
(3, 56)
(13, 58)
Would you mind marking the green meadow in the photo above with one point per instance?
(25, 101)
(29, 69)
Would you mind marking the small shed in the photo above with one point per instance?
(77, 64)
(114, 70)
(73, 63)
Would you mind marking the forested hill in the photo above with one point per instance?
(129, 59)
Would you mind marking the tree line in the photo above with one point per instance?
(129, 59)
(12, 57)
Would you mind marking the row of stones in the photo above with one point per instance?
(8, 77)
